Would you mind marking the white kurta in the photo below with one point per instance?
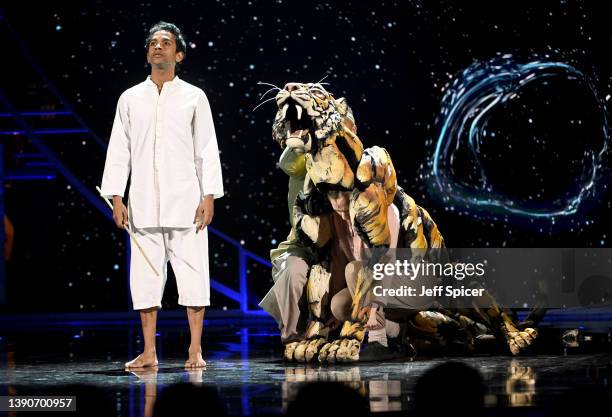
(167, 142)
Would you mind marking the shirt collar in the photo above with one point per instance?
(168, 84)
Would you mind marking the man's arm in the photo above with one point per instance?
(117, 166)
(207, 162)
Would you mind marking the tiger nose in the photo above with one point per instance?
(292, 86)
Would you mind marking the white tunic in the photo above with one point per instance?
(167, 142)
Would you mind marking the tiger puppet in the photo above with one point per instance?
(341, 176)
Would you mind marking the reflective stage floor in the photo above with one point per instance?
(243, 364)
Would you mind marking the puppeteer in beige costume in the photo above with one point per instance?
(350, 200)
(287, 300)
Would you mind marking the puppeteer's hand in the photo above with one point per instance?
(204, 213)
(372, 322)
(120, 213)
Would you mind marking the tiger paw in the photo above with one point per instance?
(340, 350)
(324, 352)
(430, 322)
(300, 351)
(352, 330)
(522, 340)
(518, 340)
(348, 350)
(328, 352)
(289, 351)
(313, 348)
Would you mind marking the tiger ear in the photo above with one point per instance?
(342, 106)
(344, 109)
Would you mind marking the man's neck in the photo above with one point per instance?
(160, 76)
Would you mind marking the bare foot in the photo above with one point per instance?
(195, 359)
(143, 360)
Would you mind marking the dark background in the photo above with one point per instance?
(391, 60)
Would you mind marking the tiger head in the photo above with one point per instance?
(308, 116)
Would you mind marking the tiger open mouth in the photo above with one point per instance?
(297, 124)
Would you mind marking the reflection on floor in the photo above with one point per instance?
(243, 364)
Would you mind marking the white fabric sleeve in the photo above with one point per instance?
(117, 166)
(206, 150)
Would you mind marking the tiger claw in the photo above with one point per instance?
(323, 352)
(340, 350)
(333, 351)
(304, 350)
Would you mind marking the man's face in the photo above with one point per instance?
(161, 51)
(340, 200)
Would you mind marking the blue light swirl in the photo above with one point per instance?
(466, 108)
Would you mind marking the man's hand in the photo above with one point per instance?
(372, 323)
(120, 213)
(204, 213)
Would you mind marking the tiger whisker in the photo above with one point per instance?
(271, 85)
(274, 87)
(264, 94)
(264, 102)
(319, 82)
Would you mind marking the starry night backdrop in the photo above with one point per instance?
(393, 61)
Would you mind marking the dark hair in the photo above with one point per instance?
(462, 387)
(346, 400)
(181, 45)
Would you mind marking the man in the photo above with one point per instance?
(164, 138)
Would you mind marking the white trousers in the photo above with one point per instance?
(186, 250)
